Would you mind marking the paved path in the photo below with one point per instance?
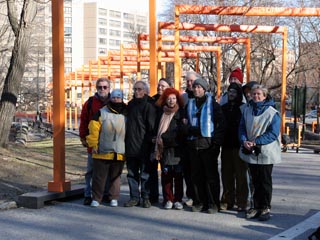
(295, 214)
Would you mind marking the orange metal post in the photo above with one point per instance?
(121, 66)
(218, 75)
(197, 62)
(153, 51)
(90, 78)
(70, 102)
(82, 85)
(138, 59)
(284, 80)
(177, 62)
(75, 102)
(248, 63)
(59, 183)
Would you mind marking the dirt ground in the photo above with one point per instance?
(29, 168)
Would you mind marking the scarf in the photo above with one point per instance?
(165, 120)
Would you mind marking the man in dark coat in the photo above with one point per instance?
(233, 169)
(139, 132)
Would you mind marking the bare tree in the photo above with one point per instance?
(20, 18)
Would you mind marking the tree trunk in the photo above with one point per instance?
(18, 60)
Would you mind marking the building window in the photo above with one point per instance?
(115, 33)
(128, 42)
(103, 31)
(68, 50)
(67, 10)
(67, 31)
(114, 14)
(114, 42)
(67, 60)
(128, 16)
(113, 23)
(127, 25)
(141, 19)
(102, 21)
(68, 20)
(67, 39)
(102, 40)
(102, 50)
(141, 28)
(103, 12)
(126, 34)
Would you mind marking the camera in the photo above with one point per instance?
(255, 150)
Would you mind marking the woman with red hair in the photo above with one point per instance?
(168, 147)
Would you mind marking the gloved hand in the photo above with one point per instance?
(84, 142)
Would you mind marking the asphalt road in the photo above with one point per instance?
(295, 214)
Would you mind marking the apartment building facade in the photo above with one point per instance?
(106, 27)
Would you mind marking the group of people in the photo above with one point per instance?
(184, 134)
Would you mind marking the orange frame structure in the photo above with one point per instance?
(249, 11)
(239, 28)
(59, 183)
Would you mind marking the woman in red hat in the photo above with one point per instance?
(168, 147)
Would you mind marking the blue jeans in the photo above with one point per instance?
(88, 178)
(138, 173)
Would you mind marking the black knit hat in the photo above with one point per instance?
(167, 81)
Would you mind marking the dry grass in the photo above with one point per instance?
(30, 168)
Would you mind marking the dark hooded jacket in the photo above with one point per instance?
(232, 115)
(140, 127)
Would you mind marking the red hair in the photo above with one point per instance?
(164, 96)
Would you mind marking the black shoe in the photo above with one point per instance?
(265, 215)
(146, 203)
(197, 208)
(154, 201)
(106, 199)
(212, 209)
(132, 203)
(87, 201)
(253, 213)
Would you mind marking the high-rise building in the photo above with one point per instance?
(107, 26)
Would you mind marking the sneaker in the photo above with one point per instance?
(178, 205)
(196, 208)
(146, 203)
(131, 203)
(87, 201)
(114, 203)
(168, 205)
(265, 215)
(189, 202)
(212, 209)
(94, 204)
(226, 206)
(253, 213)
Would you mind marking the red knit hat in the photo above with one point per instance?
(168, 91)
(237, 73)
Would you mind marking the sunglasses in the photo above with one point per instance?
(102, 87)
(138, 89)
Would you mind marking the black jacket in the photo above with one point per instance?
(232, 114)
(172, 140)
(140, 127)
